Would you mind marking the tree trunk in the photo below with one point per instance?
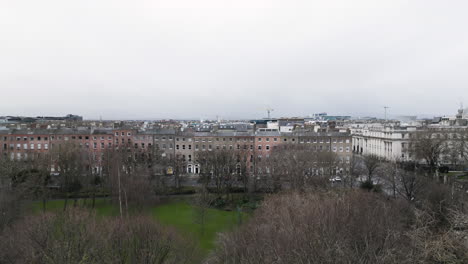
(94, 199)
(65, 203)
(120, 194)
(126, 202)
(44, 201)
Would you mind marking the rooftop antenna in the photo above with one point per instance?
(269, 110)
(386, 107)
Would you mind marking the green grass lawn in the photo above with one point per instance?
(177, 214)
(181, 215)
(103, 206)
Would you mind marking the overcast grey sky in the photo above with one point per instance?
(202, 58)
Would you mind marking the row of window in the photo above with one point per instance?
(302, 140)
(39, 138)
(122, 134)
(26, 146)
(26, 138)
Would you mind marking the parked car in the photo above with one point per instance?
(335, 179)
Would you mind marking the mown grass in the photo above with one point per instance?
(102, 206)
(182, 216)
(179, 214)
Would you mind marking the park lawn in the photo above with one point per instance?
(177, 214)
(181, 215)
(102, 206)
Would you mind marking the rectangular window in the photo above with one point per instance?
(39, 146)
(46, 146)
(31, 146)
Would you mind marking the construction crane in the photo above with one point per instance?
(269, 110)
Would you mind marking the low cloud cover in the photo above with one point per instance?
(201, 59)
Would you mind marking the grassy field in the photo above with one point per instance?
(103, 206)
(181, 215)
(178, 214)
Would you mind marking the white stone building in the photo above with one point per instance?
(388, 141)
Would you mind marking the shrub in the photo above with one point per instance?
(79, 237)
(348, 227)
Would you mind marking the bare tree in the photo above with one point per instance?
(346, 227)
(80, 237)
(201, 203)
(179, 168)
(430, 146)
(219, 167)
(354, 170)
(69, 161)
(371, 164)
(129, 178)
